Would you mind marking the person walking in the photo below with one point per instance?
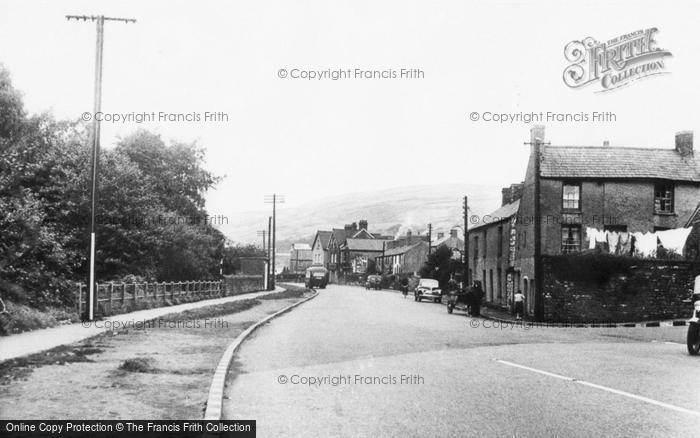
(478, 295)
(404, 287)
(519, 300)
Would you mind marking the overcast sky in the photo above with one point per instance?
(311, 139)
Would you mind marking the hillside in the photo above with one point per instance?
(389, 211)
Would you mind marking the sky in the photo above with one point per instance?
(310, 139)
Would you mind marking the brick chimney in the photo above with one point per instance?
(453, 232)
(348, 227)
(363, 224)
(505, 196)
(606, 143)
(354, 226)
(440, 235)
(512, 193)
(684, 143)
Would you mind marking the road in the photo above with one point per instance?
(388, 366)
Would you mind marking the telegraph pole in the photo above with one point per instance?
(430, 238)
(539, 296)
(274, 199)
(95, 140)
(465, 275)
(263, 233)
(269, 251)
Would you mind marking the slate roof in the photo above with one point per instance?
(499, 215)
(340, 235)
(364, 244)
(301, 247)
(325, 237)
(451, 242)
(617, 162)
(403, 249)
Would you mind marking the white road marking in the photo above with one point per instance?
(603, 388)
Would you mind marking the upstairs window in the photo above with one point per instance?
(663, 198)
(571, 196)
(570, 239)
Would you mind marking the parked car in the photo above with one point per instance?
(316, 276)
(373, 282)
(428, 288)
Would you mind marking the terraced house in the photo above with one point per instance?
(575, 188)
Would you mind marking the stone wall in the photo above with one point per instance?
(241, 284)
(648, 290)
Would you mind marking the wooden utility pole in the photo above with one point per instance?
(430, 238)
(262, 233)
(465, 274)
(269, 251)
(95, 155)
(274, 199)
(537, 143)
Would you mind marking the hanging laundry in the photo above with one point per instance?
(601, 240)
(613, 241)
(591, 234)
(645, 244)
(674, 240)
(624, 244)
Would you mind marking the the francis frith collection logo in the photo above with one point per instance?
(616, 62)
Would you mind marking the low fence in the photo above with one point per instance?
(117, 297)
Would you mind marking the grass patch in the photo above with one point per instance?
(22, 366)
(139, 365)
(212, 311)
(290, 292)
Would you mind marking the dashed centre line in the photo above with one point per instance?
(602, 388)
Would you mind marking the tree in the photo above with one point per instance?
(44, 207)
(234, 253)
(440, 266)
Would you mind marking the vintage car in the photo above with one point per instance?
(428, 288)
(373, 282)
(316, 276)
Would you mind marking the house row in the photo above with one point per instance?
(354, 250)
(570, 189)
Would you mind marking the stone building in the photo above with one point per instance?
(300, 257)
(605, 187)
(320, 255)
(404, 255)
(491, 244)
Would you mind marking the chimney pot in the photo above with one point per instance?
(684, 143)
(606, 143)
(364, 224)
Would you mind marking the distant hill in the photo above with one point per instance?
(390, 211)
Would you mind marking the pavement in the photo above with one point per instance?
(36, 341)
(353, 362)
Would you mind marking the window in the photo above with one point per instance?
(483, 254)
(476, 247)
(663, 198)
(571, 196)
(570, 238)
